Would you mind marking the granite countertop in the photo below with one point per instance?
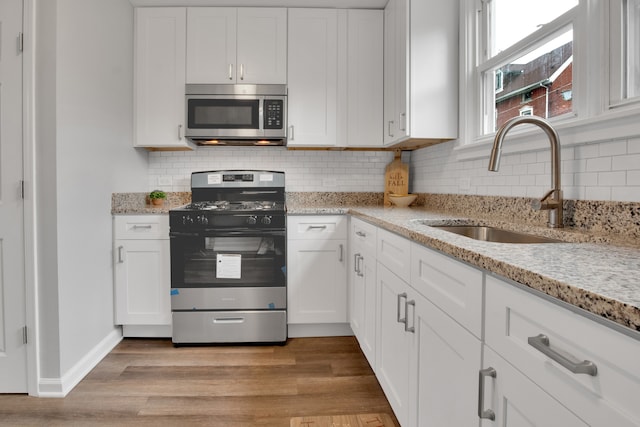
(597, 277)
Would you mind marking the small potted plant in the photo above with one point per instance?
(156, 197)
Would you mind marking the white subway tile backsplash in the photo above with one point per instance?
(633, 178)
(627, 162)
(598, 193)
(626, 194)
(600, 171)
(618, 178)
(599, 164)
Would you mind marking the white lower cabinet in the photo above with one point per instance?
(142, 274)
(591, 369)
(394, 341)
(426, 362)
(446, 369)
(317, 269)
(362, 286)
(510, 399)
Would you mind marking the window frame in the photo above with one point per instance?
(596, 115)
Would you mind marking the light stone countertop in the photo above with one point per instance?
(600, 278)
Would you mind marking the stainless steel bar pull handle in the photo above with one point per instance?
(361, 234)
(360, 273)
(317, 227)
(485, 413)
(389, 124)
(400, 318)
(241, 71)
(341, 246)
(541, 343)
(136, 226)
(179, 132)
(291, 133)
(120, 258)
(411, 328)
(230, 71)
(355, 263)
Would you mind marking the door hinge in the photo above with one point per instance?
(21, 42)
(25, 336)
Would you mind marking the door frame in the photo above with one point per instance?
(29, 202)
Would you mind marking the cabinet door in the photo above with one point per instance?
(393, 342)
(516, 401)
(317, 281)
(364, 78)
(211, 45)
(159, 77)
(313, 77)
(395, 70)
(142, 282)
(262, 46)
(362, 295)
(448, 360)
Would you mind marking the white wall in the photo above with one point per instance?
(608, 171)
(89, 155)
(358, 171)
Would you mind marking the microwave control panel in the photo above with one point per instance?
(273, 113)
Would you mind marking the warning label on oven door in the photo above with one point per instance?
(228, 266)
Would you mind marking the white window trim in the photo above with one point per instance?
(592, 120)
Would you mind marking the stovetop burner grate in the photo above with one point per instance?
(231, 206)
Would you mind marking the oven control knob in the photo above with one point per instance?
(186, 219)
(266, 220)
(252, 220)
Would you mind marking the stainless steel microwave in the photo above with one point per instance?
(228, 114)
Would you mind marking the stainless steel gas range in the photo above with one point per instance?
(228, 259)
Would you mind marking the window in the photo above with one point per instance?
(533, 64)
(574, 62)
(526, 111)
(499, 81)
(625, 62)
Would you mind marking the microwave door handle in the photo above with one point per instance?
(261, 115)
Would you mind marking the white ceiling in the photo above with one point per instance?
(340, 4)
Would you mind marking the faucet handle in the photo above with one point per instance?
(547, 202)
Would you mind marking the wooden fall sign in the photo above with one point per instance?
(396, 178)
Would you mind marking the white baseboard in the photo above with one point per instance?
(319, 330)
(147, 331)
(60, 387)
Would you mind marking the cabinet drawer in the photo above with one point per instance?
(452, 285)
(141, 226)
(610, 397)
(394, 252)
(364, 235)
(317, 227)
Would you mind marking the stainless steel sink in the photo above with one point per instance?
(493, 234)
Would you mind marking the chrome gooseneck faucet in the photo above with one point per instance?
(552, 201)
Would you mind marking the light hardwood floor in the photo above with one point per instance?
(150, 382)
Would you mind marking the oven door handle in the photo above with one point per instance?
(229, 233)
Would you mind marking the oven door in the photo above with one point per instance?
(225, 259)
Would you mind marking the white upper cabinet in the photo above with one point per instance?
(236, 45)
(335, 78)
(159, 77)
(421, 70)
(313, 78)
(364, 78)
